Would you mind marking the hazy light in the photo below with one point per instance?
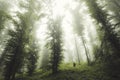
(63, 8)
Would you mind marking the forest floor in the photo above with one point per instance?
(68, 72)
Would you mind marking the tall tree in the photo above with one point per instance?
(79, 28)
(77, 49)
(55, 44)
(4, 17)
(113, 10)
(15, 53)
(29, 18)
(110, 43)
(101, 16)
(32, 58)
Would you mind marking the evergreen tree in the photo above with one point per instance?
(4, 17)
(15, 48)
(29, 18)
(110, 44)
(113, 10)
(55, 44)
(14, 53)
(32, 58)
(101, 17)
(79, 28)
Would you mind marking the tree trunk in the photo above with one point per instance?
(77, 50)
(86, 52)
(13, 76)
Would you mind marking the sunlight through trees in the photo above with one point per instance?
(59, 40)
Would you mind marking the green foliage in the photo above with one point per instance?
(13, 54)
(4, 15)
(80, 72)
(45, 61)
(32, 59)
(110, 44)
(55, 44)
(21, 50)
(79, 29)
(101, 17)
(30, 45)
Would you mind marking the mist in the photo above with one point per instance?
(59, 39)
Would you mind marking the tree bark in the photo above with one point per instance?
(86, 52)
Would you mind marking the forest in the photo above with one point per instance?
(59, 39)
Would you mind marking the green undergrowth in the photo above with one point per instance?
(68, 72)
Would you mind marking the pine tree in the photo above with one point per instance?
(79, 28)
(32, 58)
(101, 17)
(55, 44)
(30, 17)
(14, 53)
(15, 48)
(110, 44)
(4, 17)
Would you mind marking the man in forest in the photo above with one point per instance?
(74, 64)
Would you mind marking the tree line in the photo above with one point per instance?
(20, 54)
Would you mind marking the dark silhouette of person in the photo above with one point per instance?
(74, 64)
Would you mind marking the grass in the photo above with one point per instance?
(68, 72)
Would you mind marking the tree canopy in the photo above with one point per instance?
(59, 40)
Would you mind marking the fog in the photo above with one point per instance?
(72, 43)
(65, 9)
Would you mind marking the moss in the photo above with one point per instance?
(68, 72)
